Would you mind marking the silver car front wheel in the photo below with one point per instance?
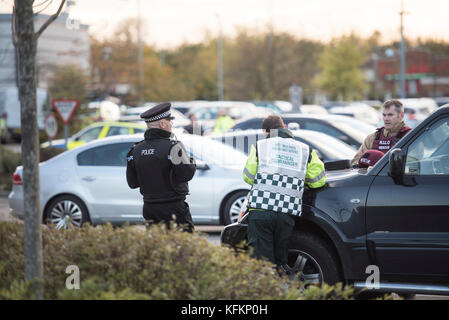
(233, 207)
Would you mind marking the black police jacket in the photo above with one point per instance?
(160, 166)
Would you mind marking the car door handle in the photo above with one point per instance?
(88, 178)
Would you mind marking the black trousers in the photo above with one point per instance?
(269, 233)
(166, 212)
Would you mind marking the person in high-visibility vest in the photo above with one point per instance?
(224, 122)
(278, 168)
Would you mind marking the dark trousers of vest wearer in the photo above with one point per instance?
(165, 212)
(269, 233)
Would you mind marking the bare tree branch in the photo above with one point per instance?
(49, 21)
(15, 39)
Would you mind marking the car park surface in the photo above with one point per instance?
(89, 183)
(393, 216)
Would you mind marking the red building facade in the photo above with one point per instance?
(427, 75)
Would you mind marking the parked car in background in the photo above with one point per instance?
(95, 131)
(441, 101)
(312, 108)
(10, 125)
(89, 183)
(328, 148)
(206, 112)
(393, 216)
(285, 106)
(359, 111)
(184, 106)
(349, 130)
(133, 115)
(422, 105)
(269, 105)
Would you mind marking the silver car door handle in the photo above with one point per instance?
(88, 179)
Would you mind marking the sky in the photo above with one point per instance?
(168, 23)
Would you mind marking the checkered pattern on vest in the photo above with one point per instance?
(276, 201)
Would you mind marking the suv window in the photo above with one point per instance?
(429, 153)
(115, 131)
(108, 155)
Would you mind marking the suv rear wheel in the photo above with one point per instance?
(310, 257)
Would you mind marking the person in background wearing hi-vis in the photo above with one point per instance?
(278, 169)
(224, 122)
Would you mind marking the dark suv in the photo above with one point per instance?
(393, 218)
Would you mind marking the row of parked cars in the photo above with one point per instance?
(334, 137)
(393, 216)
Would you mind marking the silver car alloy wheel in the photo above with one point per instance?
(235, 209)
(65, 214)
(305, 268)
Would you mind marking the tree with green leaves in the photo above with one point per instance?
(340, 63)
(69, 82)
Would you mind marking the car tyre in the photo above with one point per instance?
(66, 211)
(231, 209)
(312, 258)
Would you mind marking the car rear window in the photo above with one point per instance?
(107, 155)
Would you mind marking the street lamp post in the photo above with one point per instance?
(402, 52)
(220, 60)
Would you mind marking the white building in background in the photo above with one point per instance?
(65, 41)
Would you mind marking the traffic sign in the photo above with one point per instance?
(51, 126)
(65, 108)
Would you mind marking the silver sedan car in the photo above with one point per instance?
(89, 184)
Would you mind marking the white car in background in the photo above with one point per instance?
(359, 111)
(312, 109)
(89, 184)
(133, 114)
(417, 109)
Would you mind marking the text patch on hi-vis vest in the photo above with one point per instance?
(282, 154)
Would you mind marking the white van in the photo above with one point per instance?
(10, 112)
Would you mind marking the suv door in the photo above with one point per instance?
(409, 222)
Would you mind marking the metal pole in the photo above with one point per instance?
(402, 52)
(220, 60)
(66, 135)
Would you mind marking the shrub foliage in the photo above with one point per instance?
(131, 263)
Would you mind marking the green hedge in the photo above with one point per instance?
(131, 263)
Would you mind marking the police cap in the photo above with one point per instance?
(158, 112)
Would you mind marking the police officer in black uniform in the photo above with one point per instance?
(161, 167)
